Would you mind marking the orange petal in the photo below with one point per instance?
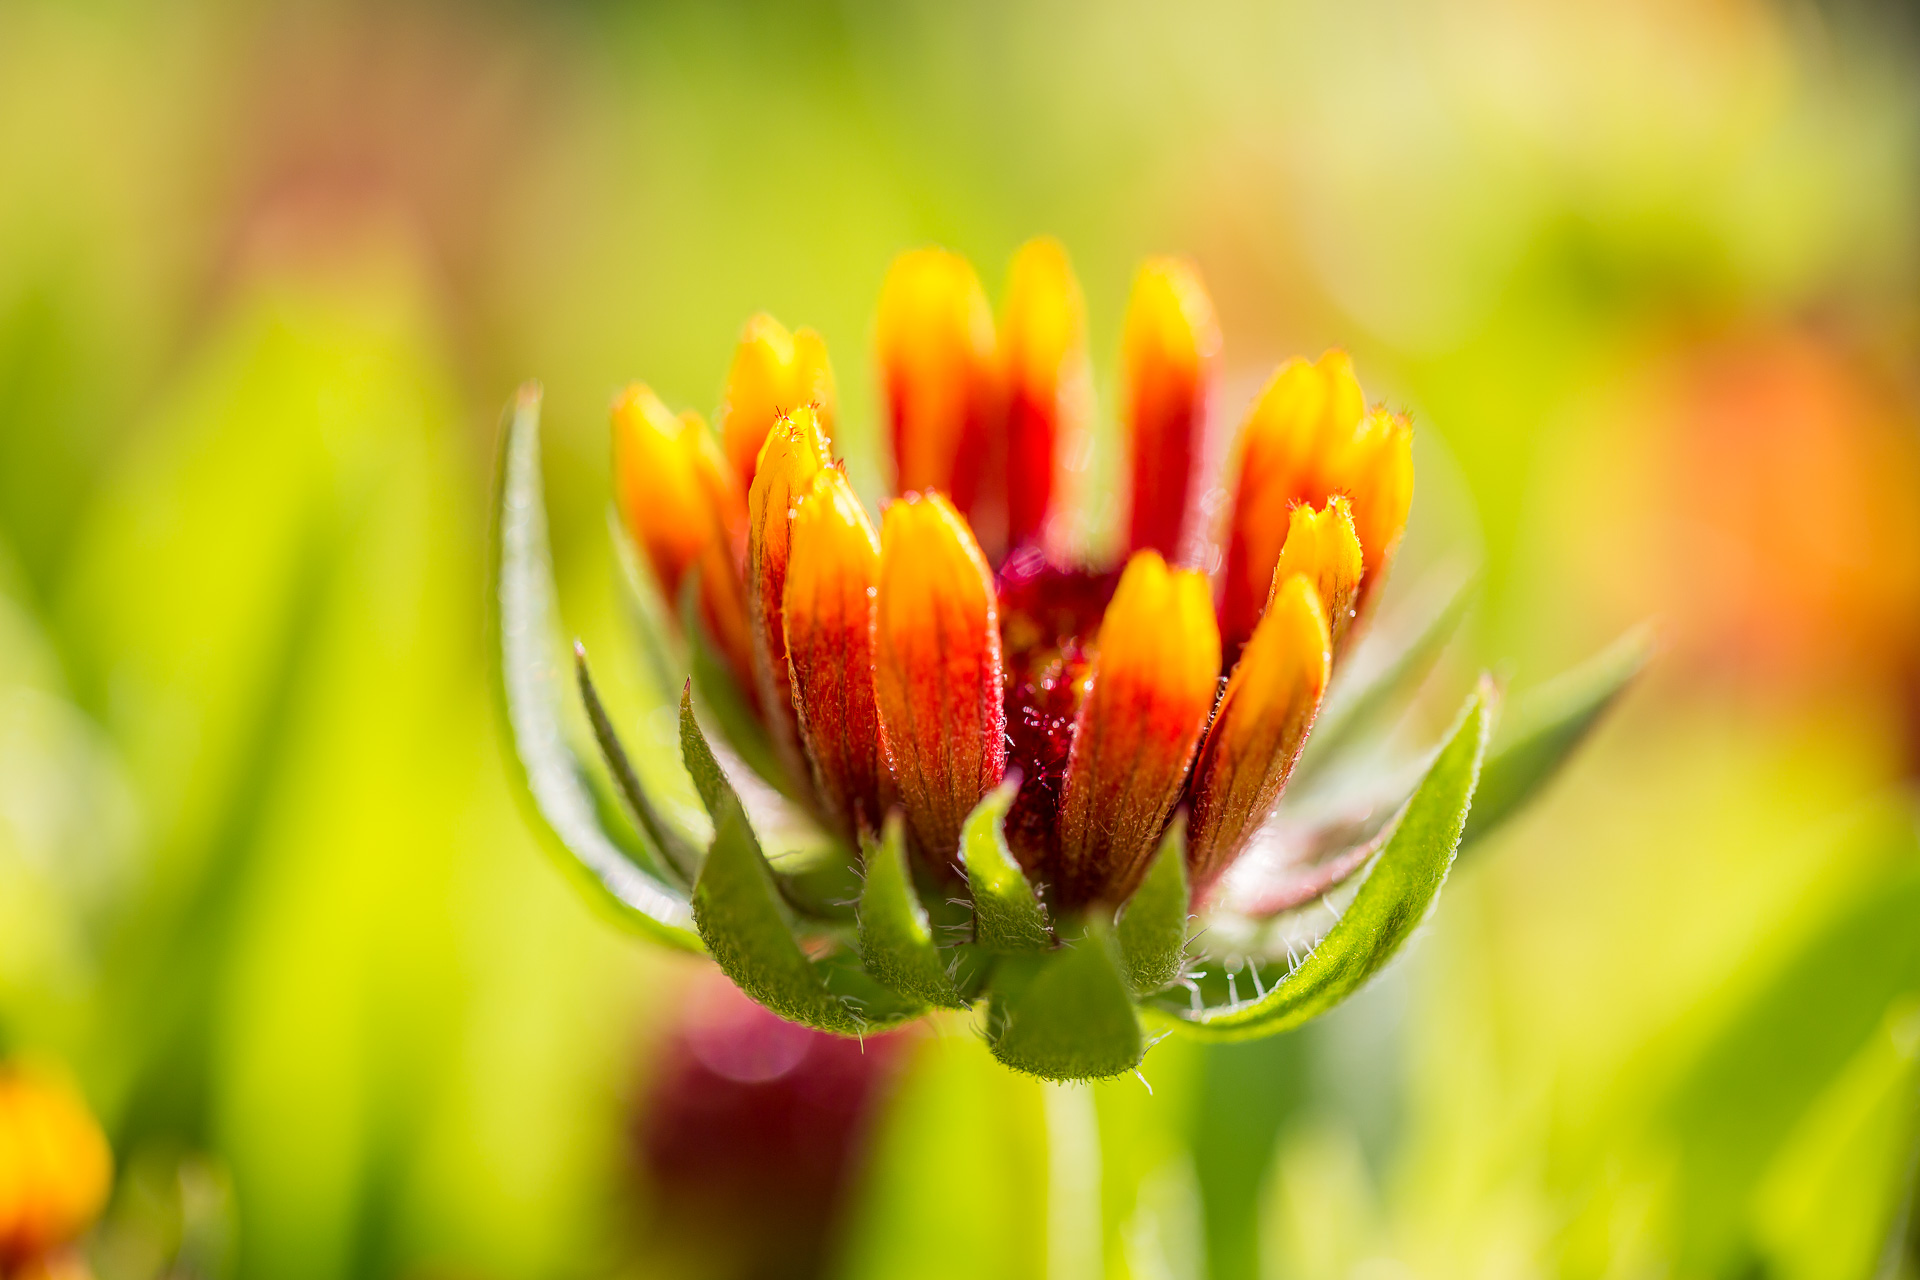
(685, 511)
(792, 455)
(55, 1165)
(1048, 381)
(833, 573)
(937, 667)
(1154, 677)
(1256, 736)
(1168, 346)
(773, 373)
(1322, 546)
(934, 344)
(1308, 437)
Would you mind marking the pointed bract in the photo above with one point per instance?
(1168, 347)
(1262, 722)
(934, 343)
(832, 577)
(1154, 677)
(1047, 380)
(937, 669)
(685, 510)
(773, 373)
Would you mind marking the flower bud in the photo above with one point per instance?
(683, 506)
(1258, 731)
(1048, 382)
(1168, 347)
(773, 373)
(793, 454)
(1155, 670)
(934, 344)
(937, 668)
(1308, 437)
(55, 1167)
(832, 578)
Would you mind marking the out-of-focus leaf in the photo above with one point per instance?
(1383, 674)
(1007, 918)
(1152, 930)
(678, 852)
(1390, 904)
(749, 934)
(1547, 724)
(524, 616)
(896, 942)
(723, 698)
(1066, 1014)
(665, 650)
(1833, 1193)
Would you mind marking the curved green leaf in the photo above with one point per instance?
(523, 619)
(896, 941)
(1066, 1014)
(750, 936)
(1152, 930)
(1390, 904)
(680, 854)
(1007, 918)
(1547, 724)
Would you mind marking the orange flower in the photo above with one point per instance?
(915, 669)
(685, 511)
(773, 374)
(1170, 341)
(1309, 437)
(55, 1169)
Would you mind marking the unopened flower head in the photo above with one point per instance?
(55, 1169)
(914, 661)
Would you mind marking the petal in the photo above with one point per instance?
(1048, 381)
(685, 511)
(1308, 437)
(937, 667)
(793, 454)
(934, 344)
(1322, 547)
(1168, 346)
(1152, 687)
(773, 373)
(1262, 723)
(833, 572)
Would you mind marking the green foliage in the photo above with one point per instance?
(1007, 916)
(1152, 929)
(896, 942)
(1392, 901)
(1066, 1014)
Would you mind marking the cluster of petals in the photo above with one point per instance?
(916, 664)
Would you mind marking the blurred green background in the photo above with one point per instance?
(1645, 274)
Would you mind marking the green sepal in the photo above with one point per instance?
(749, 932)
(896, 941)
(1065, 1014)
(709, 779)
(523, 618)
(722, 696)
(1007, 918)
(1361, 699)
(1390, 903)
(1152, 929)
(677, 850)
(662, 647)
(1547, 724)
(876, 1005)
